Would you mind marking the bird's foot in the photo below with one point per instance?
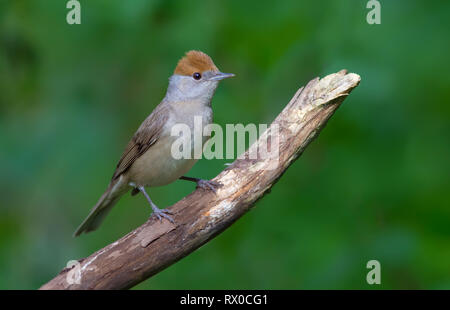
(208, 184)
(160, 213)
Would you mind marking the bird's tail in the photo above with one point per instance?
(102, 208)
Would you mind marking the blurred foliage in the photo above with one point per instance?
(374, 185)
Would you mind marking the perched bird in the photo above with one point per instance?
(147, 160)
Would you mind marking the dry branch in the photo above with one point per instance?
(202, 215)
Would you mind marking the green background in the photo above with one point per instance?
(374, 185)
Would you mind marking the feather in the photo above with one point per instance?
(195, 61)
(147, 134)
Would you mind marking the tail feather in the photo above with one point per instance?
(99, 211)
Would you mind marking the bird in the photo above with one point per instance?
(147, 160)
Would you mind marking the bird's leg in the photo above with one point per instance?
(205, 184)
(156, 211)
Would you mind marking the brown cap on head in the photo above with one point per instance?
(195, 61)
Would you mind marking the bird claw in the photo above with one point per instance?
(163, 213)
(209, 185)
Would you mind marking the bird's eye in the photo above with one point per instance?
(197, 76)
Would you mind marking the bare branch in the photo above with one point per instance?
(202, 215)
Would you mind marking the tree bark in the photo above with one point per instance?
(203, 214)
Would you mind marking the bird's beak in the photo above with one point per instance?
(220, 76)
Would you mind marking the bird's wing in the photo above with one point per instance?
(147, 134)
